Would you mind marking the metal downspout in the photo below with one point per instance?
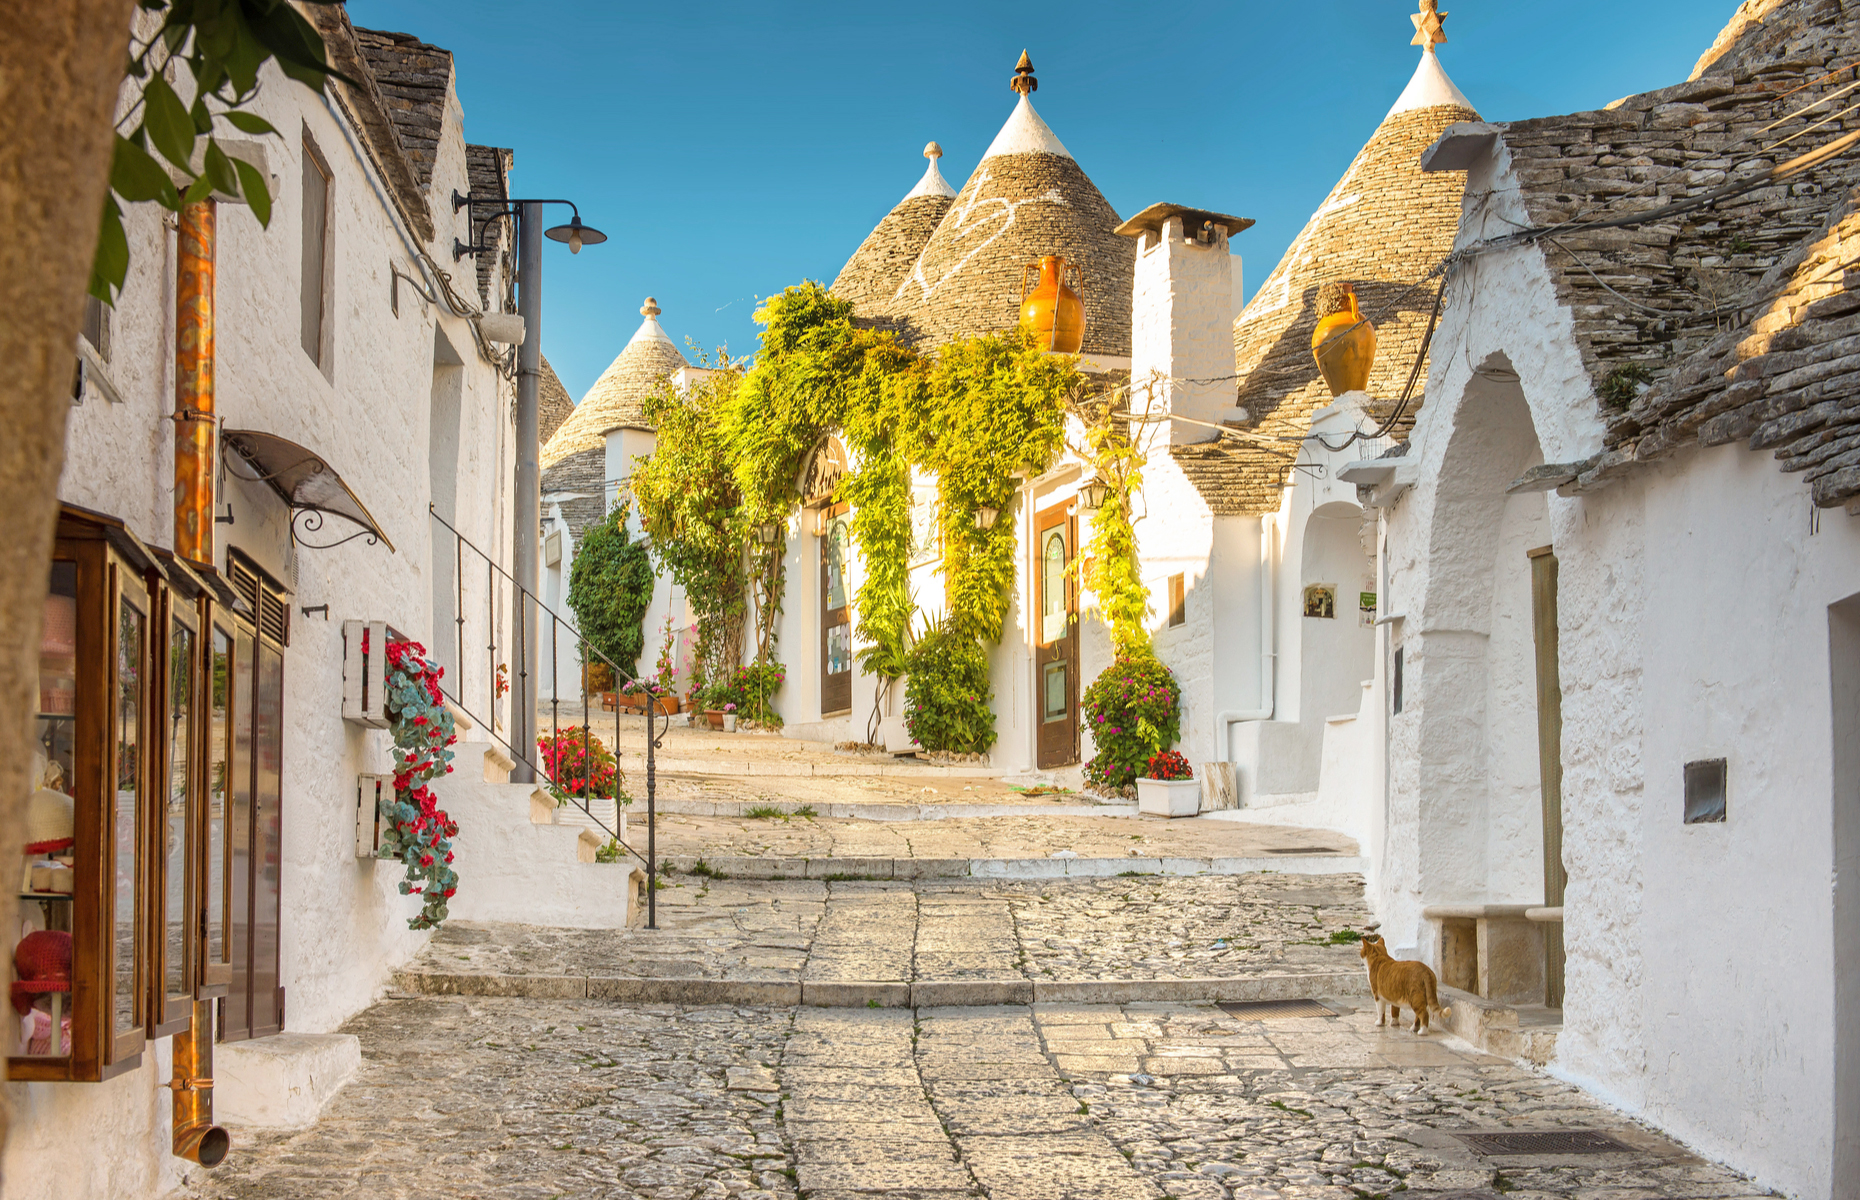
(196, 1137)
(193, 383)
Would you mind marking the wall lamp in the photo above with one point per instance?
(985, 517)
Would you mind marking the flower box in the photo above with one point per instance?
(364, 673)
(1169, 797)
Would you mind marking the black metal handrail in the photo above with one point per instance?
(521, 692)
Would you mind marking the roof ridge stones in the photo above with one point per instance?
(413, 78)
(1382, 228)
(1028, 197)
(618, 397)
(368, 110)
(872, 275)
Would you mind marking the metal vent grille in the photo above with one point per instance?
(262, 599)
(1259, 1010)
(273, 617)
(1554, 1141)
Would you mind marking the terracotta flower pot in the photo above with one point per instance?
(715, 717)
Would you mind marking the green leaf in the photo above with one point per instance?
(297, 46)
(246, 122)
(252, 186)
(136, 176)
(197, 191)
(203, 119)
(111, 265)
(219, 169)
(166, 119)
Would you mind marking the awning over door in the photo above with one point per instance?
(304, 480)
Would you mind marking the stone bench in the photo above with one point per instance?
(1491, 950)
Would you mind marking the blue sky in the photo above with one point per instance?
(729, 150)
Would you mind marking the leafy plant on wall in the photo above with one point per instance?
(221, 44)
(609, 589)
(976, 413)
(418, 832)
(692, 511)
(1111, 547)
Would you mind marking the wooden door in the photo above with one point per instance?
(1056, 637)
(1549, 761)
(836, 651)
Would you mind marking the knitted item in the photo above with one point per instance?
(43, 963)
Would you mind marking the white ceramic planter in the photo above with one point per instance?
(729, 722)
(1169, 797)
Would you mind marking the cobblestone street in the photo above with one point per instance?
(527, 1100)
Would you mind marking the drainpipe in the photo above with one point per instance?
(193, 384)
(196, 1137)
(1268, 657)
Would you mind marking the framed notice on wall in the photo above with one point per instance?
(1321, 600)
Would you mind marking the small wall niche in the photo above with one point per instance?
(1705, 788)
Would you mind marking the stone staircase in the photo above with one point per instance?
(520, 857)
(1522, 1032)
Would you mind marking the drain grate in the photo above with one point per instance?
(1304, 850)
(1259, 1010)
(1555, 1141)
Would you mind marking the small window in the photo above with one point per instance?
(97, 326)
(1705, 791)
(316, 247)
(1178, 600)
(1395, 681)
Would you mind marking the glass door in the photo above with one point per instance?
(836, 650)
(1056, 638)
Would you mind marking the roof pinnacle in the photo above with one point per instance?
(1429, 26)
(650, 308)
(933, 152)
(1023, 81)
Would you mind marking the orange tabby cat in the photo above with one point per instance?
(1397, 984)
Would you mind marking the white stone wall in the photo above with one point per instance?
(344, 925)
(1694, 623)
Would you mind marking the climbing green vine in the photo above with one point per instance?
(974, 415)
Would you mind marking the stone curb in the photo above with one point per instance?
(894, 812)
(751, 769)
(740, 867)
(924, 993)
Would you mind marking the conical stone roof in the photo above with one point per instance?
(618, 397)
(553, 406)
(1381, 230)
(1027, 198)
(871, 276)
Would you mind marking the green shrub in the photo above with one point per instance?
(609, 587)
(750, 689)
(946, 698)
(1133, 711)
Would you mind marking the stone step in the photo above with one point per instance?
(741, 768)
(921, 993)
(732, 867)
(879, 811)
(1523, 1032)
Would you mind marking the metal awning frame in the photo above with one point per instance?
(307, 484)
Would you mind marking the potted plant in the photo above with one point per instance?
(729, 718)
(1168, 788)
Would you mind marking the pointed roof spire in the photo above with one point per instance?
(1023, 81)
(1429, 26)
(933, 183)
(650, 308)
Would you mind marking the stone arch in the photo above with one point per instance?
(1336, 654)
(1480, 815)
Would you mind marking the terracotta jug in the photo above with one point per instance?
(1053, 310)
(1343, 343)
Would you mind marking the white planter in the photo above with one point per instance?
(1169, 797)
(729, 722)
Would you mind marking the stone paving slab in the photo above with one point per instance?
(930, 943)
(1150, 844)
(492, 1097)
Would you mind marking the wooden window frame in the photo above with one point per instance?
(168, 1012)
(313, 160)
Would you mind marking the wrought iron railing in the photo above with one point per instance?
(503, 595)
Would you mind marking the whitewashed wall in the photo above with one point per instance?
(1694, 623)
(344, 926)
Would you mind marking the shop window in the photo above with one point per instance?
(109, 951)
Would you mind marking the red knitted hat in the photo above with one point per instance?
(42, 961)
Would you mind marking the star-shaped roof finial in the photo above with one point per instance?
(1429, 25)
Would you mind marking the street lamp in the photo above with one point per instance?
(985, 517)
(528, 499)
(1093, 493)
(767, 532)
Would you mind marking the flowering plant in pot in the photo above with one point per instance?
(579, 765)
(1167, 787)
(418, 832)
(1133, 711)
(729, 718)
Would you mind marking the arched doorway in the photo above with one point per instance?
(1487, 743)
